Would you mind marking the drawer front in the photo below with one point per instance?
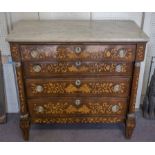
(86, 119)
(35, 69)
(78, 52)
(106, 86)
(68, 106)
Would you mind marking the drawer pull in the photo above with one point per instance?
(39, 109)
(34, 54)
(37, 68)
(77, 102)
(78, 63)
(77, 82)
(122, 53)
(118, 68)
(77, 50)
(116, 88)
(39, 88)
(115, 108)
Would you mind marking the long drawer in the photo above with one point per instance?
(78, 52)
(48, 69)
(73, 106)
(103, 86)
(84, 119)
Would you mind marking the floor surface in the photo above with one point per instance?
(144, 131)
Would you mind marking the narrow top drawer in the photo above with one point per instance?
(78, 52)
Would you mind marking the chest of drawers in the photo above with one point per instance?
(88, 77)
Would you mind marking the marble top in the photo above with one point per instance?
(76, 31)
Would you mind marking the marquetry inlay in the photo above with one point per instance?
(77, 71)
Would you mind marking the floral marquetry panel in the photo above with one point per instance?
(88, 86)
(78, 52)
(74, 68)
(77, 106)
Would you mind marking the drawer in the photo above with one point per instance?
(78, 52)
(70, 106)
(46, 69)
(84, 119)
(105, 86)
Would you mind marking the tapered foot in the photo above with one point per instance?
(130, 125)
(25, 125)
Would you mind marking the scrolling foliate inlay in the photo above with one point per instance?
(58, 108)
(107, 53)
(63, 53)
(87, 88)
(15, 51)
(134, 88)
(140, 52)
(78, 120)
(21, 90)
(83, 68)
(17, 60)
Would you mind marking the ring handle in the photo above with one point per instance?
(78, 50)
(77, 102)
(78, 63)
(122, 53)
(34, 54)
(118, 68)
(116, 88)
(77, 82)
(115, 108)
(37, 68)
(39, 109)
(39, 88)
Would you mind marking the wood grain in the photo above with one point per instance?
(48, 69)
(107, 86)
(68, 106)
(87, 53)
(77, 82)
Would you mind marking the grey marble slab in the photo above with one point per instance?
(76, 31)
